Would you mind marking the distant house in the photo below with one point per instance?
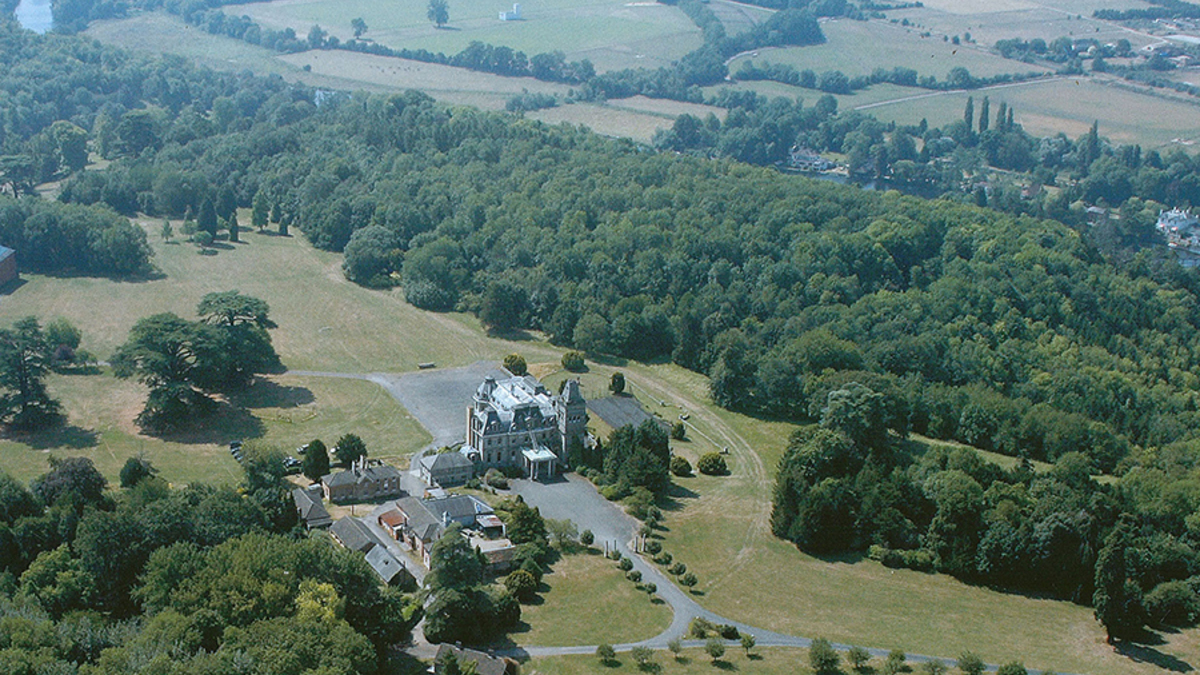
(805, 159)
(362, 482)
(8, 265)
(446, 469)
(485, 664)
(514, 15)
(310, 507)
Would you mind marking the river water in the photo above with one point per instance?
(35, 15)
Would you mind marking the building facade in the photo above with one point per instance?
(517, 422)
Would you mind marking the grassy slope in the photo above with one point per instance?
(859, 47)
(612, 33)
(589, 601)
(1068, 105)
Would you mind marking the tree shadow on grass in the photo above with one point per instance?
(1140, 650)
(269, 394)
(226, 423)
(722, 664)
(673, 499)
(61, 436)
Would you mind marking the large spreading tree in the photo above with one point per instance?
(184, 362)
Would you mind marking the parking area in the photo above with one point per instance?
(439, 398)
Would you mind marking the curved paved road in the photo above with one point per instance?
(573, 497)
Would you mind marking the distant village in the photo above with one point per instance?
(1182, 231)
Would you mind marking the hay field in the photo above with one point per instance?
(1068, 105)
(859, 47)
(612, 33)
(989, 21)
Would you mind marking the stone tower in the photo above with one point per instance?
(571, 409)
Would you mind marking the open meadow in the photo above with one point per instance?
(990, 20)
(616, 611)
(859, 47)
(613, 34)
(1067, 105)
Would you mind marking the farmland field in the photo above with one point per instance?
(611, 33)
(859, 47)
(1068, 105)
(988, 21)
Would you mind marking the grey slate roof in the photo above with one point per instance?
(445, 461)
(5, 252)
(372, 474)
(353, 534)
(456, 507)
(311, 508)
(619, 411)
(424, 524)
(386, 566)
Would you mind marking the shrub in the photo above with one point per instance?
(728, 632)
(680, 466)
(858, 658)
(1012, 668)
(712, 464)
(653, 547)
(676, 646)
(970, 664)
(714, 648)
(635, 576)
(677, 569)
(625, 564)
(606, 653)
(573, 361)
(521, 584)
(895, 662)
(515, 364)
(650, 588)
(822, 657)
(587, 538)
(678, 431)
(494, 478)
(689, 580)
(700, 627)
(642, 656)
(664, 558)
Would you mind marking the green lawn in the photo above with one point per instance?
(766, 661)
(990, 20)
(859, 47)
(590, 601)
(612, 33)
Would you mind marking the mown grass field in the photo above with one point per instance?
(772, 661)
(611, 33)
(988, 22)
(1069, 106)
(588, 601)
(859, 47)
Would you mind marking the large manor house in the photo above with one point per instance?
(516, 422)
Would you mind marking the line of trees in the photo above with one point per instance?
(1128, 549)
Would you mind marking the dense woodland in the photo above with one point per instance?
(185, 581)
(1008, 332)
